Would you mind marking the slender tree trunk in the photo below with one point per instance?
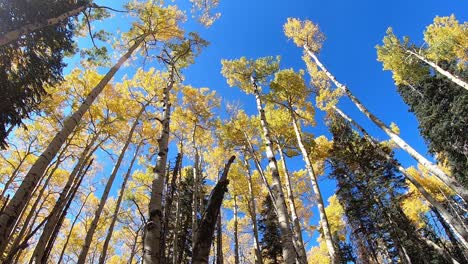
(152, 230)
(134, 247)
(64, 213)
(175, 247)
(204, 237)
(27, 228)
(236, 233)
(251, 151)
(32, 213)
(168, 206)
(455, 79)
(61, 201)
(299, 242)
(219, 240)
(105, 194)
(62, 253)
(453, 221)
(456, 248)
(434, 169)
(23, 194)
(110, 230)
(29, 28)
(253, 215)
(195, 195)
(289, 254)
(318, 195)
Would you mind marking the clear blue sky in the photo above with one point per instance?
(353, 28)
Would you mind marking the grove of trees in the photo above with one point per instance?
(120, 159)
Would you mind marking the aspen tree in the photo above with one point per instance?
(176, 56)
(248, 75)
(308, 36)
(290, 91)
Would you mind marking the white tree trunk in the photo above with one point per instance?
(22, 195)
(455, 79)
(152, 229)
(289, 254)
(61, 201)
(434, 169)
(318, 195)
(292, 208)
(110, 230)
(105, 194)
(253, 216)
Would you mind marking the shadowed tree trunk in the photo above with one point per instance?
(62, 253)
(204, 237)
(61, 201)
(168, 205)
(253, 215)
(110, 230)
(236, 233)
(219, 240)
(105, 194)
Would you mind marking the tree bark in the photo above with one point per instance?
(455, 79)
(299, 242)
(458, 227)
(110, 230)
(253, 215)
(434, 169)
(168, 205)
(64, 213)
(204, 237)
(236, 233)
(219, 240)
(62, 253)
(289, 254)
(23, 194)
(152, 230)
(458, 252)
(26, 29)
(334, 258)
(61, 201)
(105, 194)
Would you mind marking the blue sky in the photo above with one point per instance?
(352, 28)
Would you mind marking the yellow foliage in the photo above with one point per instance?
(447, 40)
(239, 72)
(304, 33)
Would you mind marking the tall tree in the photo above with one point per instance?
(308, 36)
(290, 91)
(175, 56)
(248, 75)
(445, 42)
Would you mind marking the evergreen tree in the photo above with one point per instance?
(370, 191)
(441, 107)
(33, 60)
(269, 228)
